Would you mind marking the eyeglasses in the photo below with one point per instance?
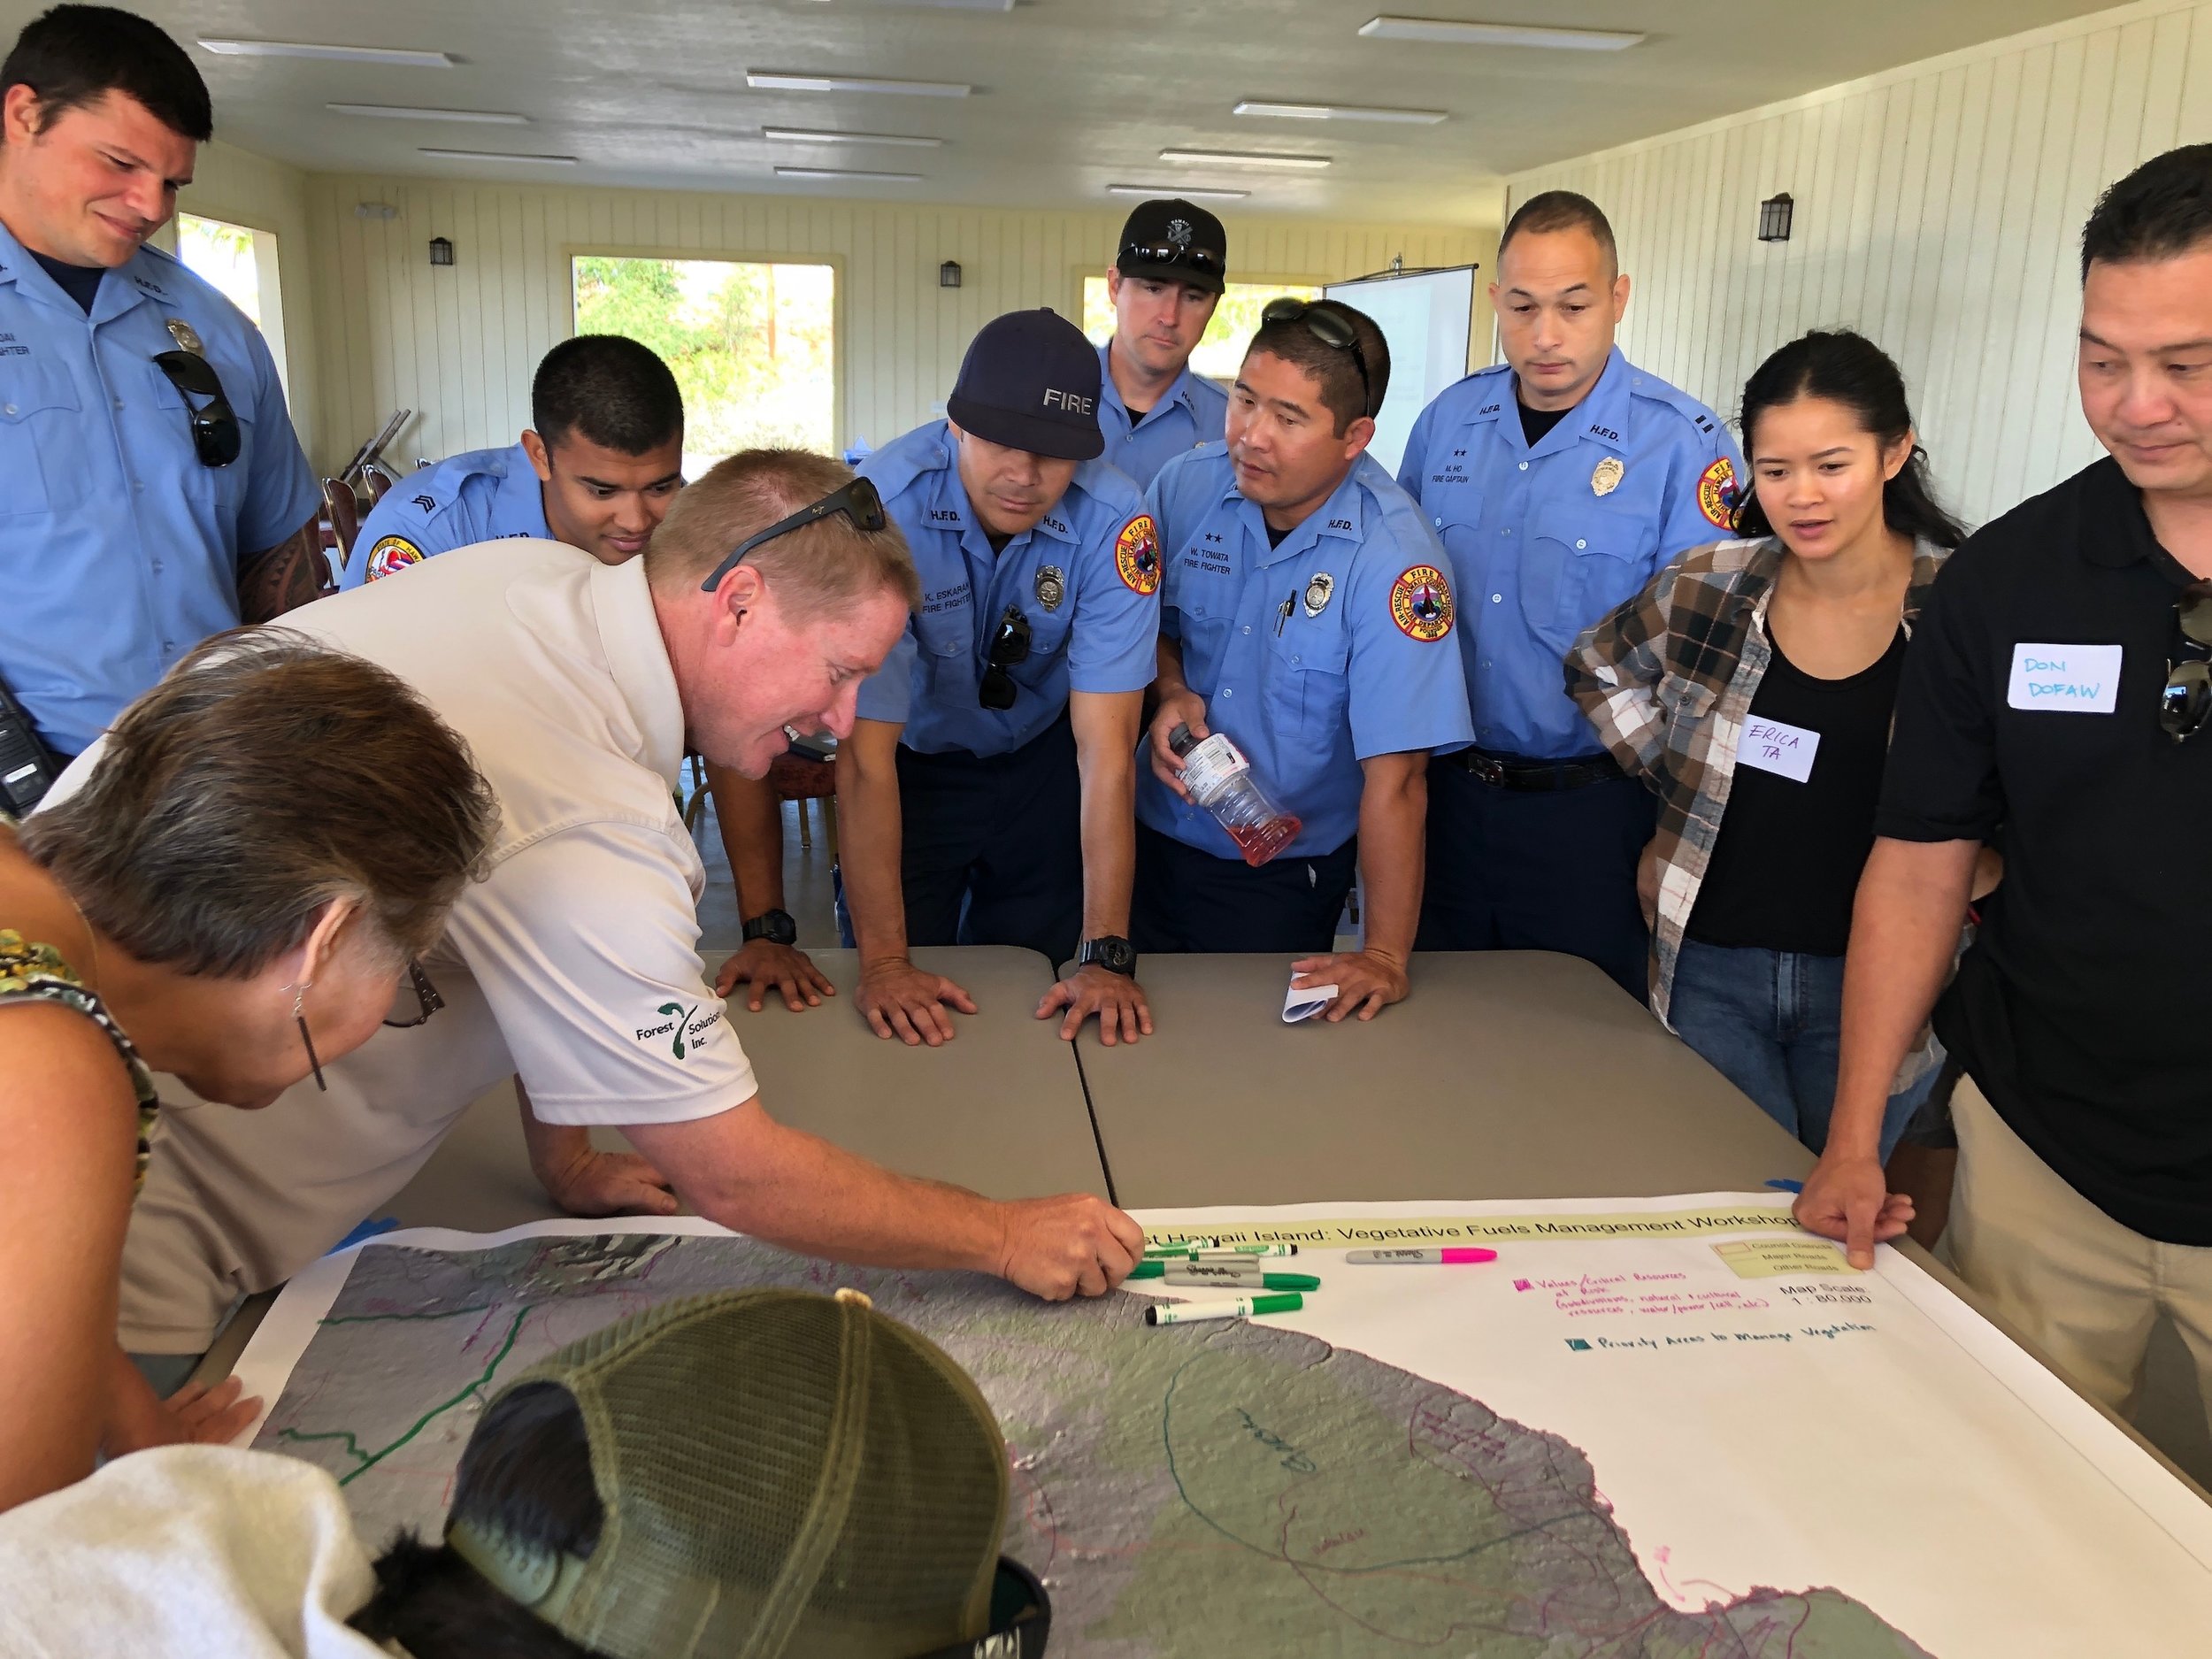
(858, 501)
(2186, 700)
(1332, 330)
(1010, 645)
(1205, 261)
(215, 434)
(426, 994)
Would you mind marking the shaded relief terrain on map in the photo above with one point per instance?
(1213, 1489)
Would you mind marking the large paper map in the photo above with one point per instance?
(1256, 1488)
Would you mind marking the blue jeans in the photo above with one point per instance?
(1771, 1023)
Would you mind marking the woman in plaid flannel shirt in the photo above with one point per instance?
(1705, 684)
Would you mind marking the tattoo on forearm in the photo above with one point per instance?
(288, 575)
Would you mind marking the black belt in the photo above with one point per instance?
(1504, 771)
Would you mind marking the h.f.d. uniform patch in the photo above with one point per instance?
(393, 553)
(1421, 603)
(1137, 555)
(1716, 495)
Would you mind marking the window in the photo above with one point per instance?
(752, 346)
(240, 263)
(1221, 348)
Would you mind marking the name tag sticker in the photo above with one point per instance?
(2065, 679)
(1775, 746)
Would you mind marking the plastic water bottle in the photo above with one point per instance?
(1219, 778)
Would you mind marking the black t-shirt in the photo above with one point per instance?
(1536, 422)
(1786, 865)
(81, 282)
(2081, 1008)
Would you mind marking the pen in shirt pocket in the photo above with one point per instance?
(1282, 617)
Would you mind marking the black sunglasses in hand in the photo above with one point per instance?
(1332, 329)
(1010, 645)
(2186, 700)
(215, 435)
(858, 501)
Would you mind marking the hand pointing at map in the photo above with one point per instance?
(1073, 1245)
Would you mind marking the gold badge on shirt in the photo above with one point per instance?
(1607, 478)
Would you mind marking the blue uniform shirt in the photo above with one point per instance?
(1087, 578)
(1548, 539)
(1192, 412)
(480, 496)
(122, 550)
(1313, 656)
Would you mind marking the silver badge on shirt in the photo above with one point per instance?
(186, 337)
(1317, 592)
(1607, 478)
(1052, 586)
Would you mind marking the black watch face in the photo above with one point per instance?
(776, 926)
(1116, 954)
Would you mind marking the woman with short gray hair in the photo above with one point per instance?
(267, 842)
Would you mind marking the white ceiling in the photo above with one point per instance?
(1070, 94)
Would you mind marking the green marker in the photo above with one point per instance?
(1148, 1270)
(1188, 1247)
(1235, 1278)
(1225, 1251)
(1241, 1308)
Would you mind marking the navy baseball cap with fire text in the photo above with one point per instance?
(1030, 382)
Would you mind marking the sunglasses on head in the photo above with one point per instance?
(1205, 261)
(858, 501)
(1332, 329)
(1010, 645)
(215, 434)
(2186, 700)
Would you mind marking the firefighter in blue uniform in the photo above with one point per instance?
(1306, 615)
(152, 491)
(1165, 282)
(986, 794)
(597, 470)
(1562, 481)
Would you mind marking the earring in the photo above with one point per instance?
(299, 1017)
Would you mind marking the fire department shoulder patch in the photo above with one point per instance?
(1137, 555)
(392, 554)
(1716, 495)
(1421, 603)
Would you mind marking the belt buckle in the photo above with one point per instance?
(1490, 772)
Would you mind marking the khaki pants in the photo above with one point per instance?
(2084, 1289)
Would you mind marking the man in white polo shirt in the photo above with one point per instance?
(770, 591)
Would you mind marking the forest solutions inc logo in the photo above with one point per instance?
(682, 1028)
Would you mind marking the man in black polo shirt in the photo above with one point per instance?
(2035, 715)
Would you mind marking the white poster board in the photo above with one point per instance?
(1428, 318)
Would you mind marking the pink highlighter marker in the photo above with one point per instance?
(1452, 1256)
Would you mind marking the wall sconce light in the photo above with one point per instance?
(1775, 214)
(441, 251)
(948, 274)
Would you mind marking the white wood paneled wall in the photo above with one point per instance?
(460, 344)
(1939, 210)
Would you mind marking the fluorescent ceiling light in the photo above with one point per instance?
(794, 80)
(487, 118)
(802, 136)
(338, 54)
(1234, 158)
(500, 155)
(1189, 191)
(849, 174)
(1440, 32)
(1338, 112)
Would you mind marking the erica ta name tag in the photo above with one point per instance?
(2065, 679)
(1777, 747)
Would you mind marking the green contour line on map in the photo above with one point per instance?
(372, 1318)
(369, 1460)
(1167, 1445)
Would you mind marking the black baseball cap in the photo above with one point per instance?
(1173, 240)
(1030, 382)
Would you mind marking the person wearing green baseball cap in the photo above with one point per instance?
(759, 1474)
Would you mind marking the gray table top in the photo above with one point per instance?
(1505, 1074)
(999, 1108)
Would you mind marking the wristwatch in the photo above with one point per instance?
(1113, 953)
(775, 926)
